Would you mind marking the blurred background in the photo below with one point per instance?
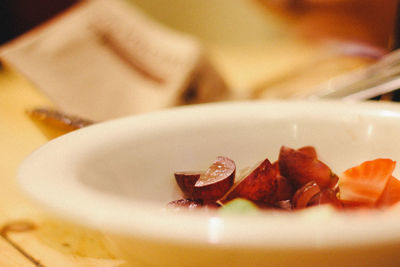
(262, 48)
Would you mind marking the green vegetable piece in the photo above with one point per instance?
(239, 206)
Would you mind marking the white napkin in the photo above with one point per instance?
(104, 59)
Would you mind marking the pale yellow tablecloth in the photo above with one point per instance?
(52, 243)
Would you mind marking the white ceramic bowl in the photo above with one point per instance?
(117, 176)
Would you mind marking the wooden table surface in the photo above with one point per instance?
(28, 235)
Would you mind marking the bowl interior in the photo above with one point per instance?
(120, 173)
(139, 163)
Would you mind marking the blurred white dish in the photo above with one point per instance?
(117, 176)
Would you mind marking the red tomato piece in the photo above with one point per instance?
(391, 193)
(364, 184)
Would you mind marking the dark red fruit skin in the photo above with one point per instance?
(300, 168)
(326, 196)
(186, 182)
(259, 186)
(309, 150)
(334, 184)
(284, 205)
(212, 191)
(285, 189)
(305, 194)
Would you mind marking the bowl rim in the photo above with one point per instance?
(70, 200)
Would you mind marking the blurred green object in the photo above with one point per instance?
(239, 206)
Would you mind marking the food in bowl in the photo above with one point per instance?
(116, 177)
(297, 180)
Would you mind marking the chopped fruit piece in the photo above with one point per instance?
(239, 206)
(365, 183)
(326, 196)
(297, 180)
(309, 150)
(391, 193)
(259, 186)
(186, 182)
(301, 167)
(303, 195)
(284, 204)
(334, 185)
(216, 181)
(285, 189)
